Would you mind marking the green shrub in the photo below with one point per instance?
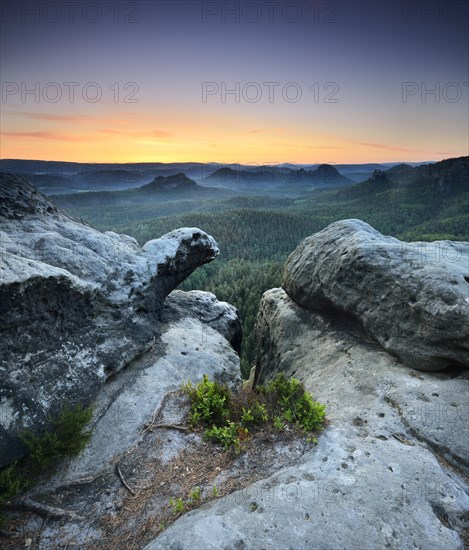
(259, 413)
(247, 418)
(255, 416)
(230, 435)
(177, 505)
(279, 424)
(210, 402)
(44, 450)
(66, 438)
(11, 482)
(228, 418)
(194, 495)
(289, 400)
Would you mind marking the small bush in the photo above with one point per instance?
(194, 495)
(177, 505)
(67, 438)
(259, 413)
(11, 482)
(247, 417)
(230, 435)
(230, 417)
(289, 399)
(255, 416)
(279, 424)
(210, 402)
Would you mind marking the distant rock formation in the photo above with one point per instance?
(279, 177)
(77, 305)
(326, 175)
(447, 177)
(178, 182)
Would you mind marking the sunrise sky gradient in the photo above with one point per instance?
(168, 49)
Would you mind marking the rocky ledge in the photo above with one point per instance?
(391, 469)
(77, 305)
(364, 321)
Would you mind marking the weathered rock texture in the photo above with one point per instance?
(76, 305)
(390, 470)
(413, 298)
(188, 348)
(145, 391)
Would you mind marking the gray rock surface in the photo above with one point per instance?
(142, 393)
(220, 316)
(389, 471)
(187, 349)
(413, 298)
(77, 305)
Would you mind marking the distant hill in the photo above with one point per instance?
(162, 189)
(447, 177)
(400, 173)
(108, 176)
(327, 176)
(249, 178)
(178, 182)
(361, 172)
(378, 183)
(56, 177)
(278, 177)
(51, 181)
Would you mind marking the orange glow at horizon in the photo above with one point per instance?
(125, 138)
(121, 149)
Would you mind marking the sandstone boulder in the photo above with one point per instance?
(413, 298)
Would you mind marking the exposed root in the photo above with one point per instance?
(43, 510)
(172, 427)
(8, 534)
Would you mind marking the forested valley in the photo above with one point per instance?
(257, 233)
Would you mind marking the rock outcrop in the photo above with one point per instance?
(127, 412)
(77, 305)
(178, 182)
(189, 346)
(327, 176)
(413, 298)
(390, 469)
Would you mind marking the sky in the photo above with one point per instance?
(308, 81)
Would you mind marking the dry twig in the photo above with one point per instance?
(124, 483)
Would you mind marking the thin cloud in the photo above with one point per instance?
(152, 133)
(326, 147)
(269, 131)
(56, 118)
(388, 147)
(44, 135)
